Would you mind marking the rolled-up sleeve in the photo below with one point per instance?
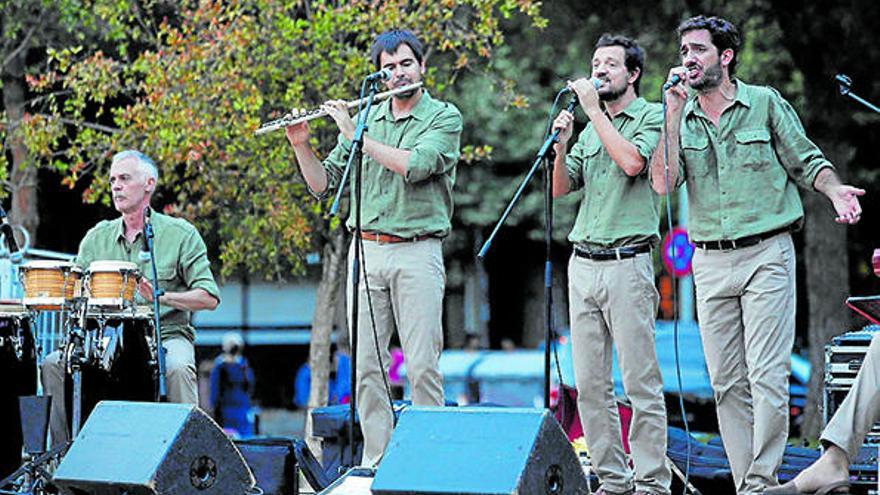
(648, 135)
(334, 165)
(437, 150)
(802, 159)
(195, 267)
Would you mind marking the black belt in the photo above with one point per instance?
(620, 253)
(742, 242)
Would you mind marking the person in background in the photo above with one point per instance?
(232, 383)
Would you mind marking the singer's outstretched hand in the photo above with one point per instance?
(846, 203)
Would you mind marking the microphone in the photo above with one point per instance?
(379, 76)
(596, 84)
(144, 255)
(8, 234)
(675, 79)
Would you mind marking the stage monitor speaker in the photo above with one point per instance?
(485, 451)
(140, 448)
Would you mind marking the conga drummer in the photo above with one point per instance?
(184, 273)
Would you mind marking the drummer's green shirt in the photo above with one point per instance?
(181, 262)
(419, 203)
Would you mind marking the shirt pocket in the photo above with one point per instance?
(695, 150)
(753, 149)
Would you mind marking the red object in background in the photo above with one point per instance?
(875, 260)
(567, 415)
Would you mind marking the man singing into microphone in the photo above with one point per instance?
(410, 153)
(612, 298)
(184, 276)
(742, 151)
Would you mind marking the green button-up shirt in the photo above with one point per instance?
(616, 209)
(181, 262)
(742, 175)
(421, 202)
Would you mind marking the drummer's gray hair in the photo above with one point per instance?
(146, 164)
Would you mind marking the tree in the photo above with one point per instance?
(192, 93)
(28, 31)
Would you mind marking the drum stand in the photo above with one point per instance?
(76, 356)
(32, 478)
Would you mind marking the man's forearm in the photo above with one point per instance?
(394, 159)
(658, 163)
(561, 182)
(311, 168)
(191, 300)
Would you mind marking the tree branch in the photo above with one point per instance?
(87, 125)
(27, 38)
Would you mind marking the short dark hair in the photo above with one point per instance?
(634, 56)
(724, 35)
(389, 41)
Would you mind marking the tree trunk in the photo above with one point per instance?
(827, 284)
(332, 275)
(23, 176)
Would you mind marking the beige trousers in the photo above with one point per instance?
(181, 383)
(406, 282)
(746, 309)
(860, 409)
(614, 303)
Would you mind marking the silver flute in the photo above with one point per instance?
(296, 118)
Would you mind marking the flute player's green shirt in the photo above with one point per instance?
(421, 202)
(181, 262)
(742, 175)
(616, 209)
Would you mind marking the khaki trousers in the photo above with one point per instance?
(860, 409)
(406, 283)
(180, 381)
(614, 303)
(746, 308)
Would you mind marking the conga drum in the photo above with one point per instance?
(18, 367)
(49, 284)
(121, 362)
(112, 284)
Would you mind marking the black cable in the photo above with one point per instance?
(359, 245)
(675, 316)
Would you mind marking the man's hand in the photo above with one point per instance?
(338, 111)
(564, 122)
(297, 134)
(677, 95)
(145, 289)
(846, 203)
(587, 95)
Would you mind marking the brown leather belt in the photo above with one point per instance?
(392, 239)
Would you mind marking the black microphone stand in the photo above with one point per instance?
(157, 292)
(544, 156)
(845, 83)
(355, 157)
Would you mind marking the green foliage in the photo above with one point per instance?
(204, 76)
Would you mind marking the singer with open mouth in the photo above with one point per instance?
(743, 152)
(612, 297)
(410, 150)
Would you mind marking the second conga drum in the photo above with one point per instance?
(49, 284)
(112, 283)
